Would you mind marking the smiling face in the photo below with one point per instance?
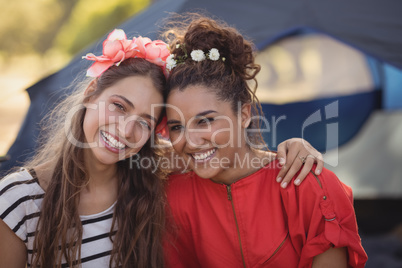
(119, 121)
(208, 133)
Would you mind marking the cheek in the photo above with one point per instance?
(223, 133)
(175, 137)
(178, 140)
(141, 135)
(98, 115)
(138, 137)
(90, 123)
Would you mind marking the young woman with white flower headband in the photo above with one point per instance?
(228, 210)
(81, 201)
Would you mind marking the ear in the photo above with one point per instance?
(88, 93)
(90, 88)
(245, 115)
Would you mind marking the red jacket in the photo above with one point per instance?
(255, 223)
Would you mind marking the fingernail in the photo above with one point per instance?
(278, 179)
(281, 161)
(317, 172)
(297, 182)
(284, 184)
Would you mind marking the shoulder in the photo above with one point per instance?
(183, 190)
(20, 199)
(328, 184)
(16, 181)
(324, 192)
(322, 208)
(180, 181)
(19, 187)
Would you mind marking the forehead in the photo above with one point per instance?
(194, 100)
(140, 90)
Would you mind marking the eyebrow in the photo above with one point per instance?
(133, 107)
(125, 99)
(170, 122)
(202, 114)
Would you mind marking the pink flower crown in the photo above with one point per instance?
(116, 48)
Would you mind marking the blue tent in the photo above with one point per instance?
(370, 26)
(368, 119)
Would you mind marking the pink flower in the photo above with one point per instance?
(116, 48)
(155, 51)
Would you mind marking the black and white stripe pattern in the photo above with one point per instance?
(20, 203)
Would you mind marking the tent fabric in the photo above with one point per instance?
(371, 26)
(371, 163)
(318, 121)
(312, 66)
(392, 87)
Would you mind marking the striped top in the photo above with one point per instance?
(20, 203)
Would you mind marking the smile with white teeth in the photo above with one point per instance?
(112, 141)
(203, 156)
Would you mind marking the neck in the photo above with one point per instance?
(101, 190)
(100, 175)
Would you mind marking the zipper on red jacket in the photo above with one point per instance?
(229, 190)
(276, 251)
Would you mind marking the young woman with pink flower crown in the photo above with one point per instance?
(80, 201)
(228, 211)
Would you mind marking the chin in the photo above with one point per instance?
(205, 173)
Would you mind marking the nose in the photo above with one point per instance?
(195, 139)
(127, 127)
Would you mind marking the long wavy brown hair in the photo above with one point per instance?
(139, 215)
(232, 79)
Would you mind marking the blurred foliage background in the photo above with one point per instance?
(40, 37)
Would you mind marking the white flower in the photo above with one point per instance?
(197, 55)
(171, 62)
(213, 54)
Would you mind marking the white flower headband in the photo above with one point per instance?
(196, 55)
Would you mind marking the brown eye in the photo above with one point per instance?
(206, 120)
(176, 128)
(145, 124)
(119, 106)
